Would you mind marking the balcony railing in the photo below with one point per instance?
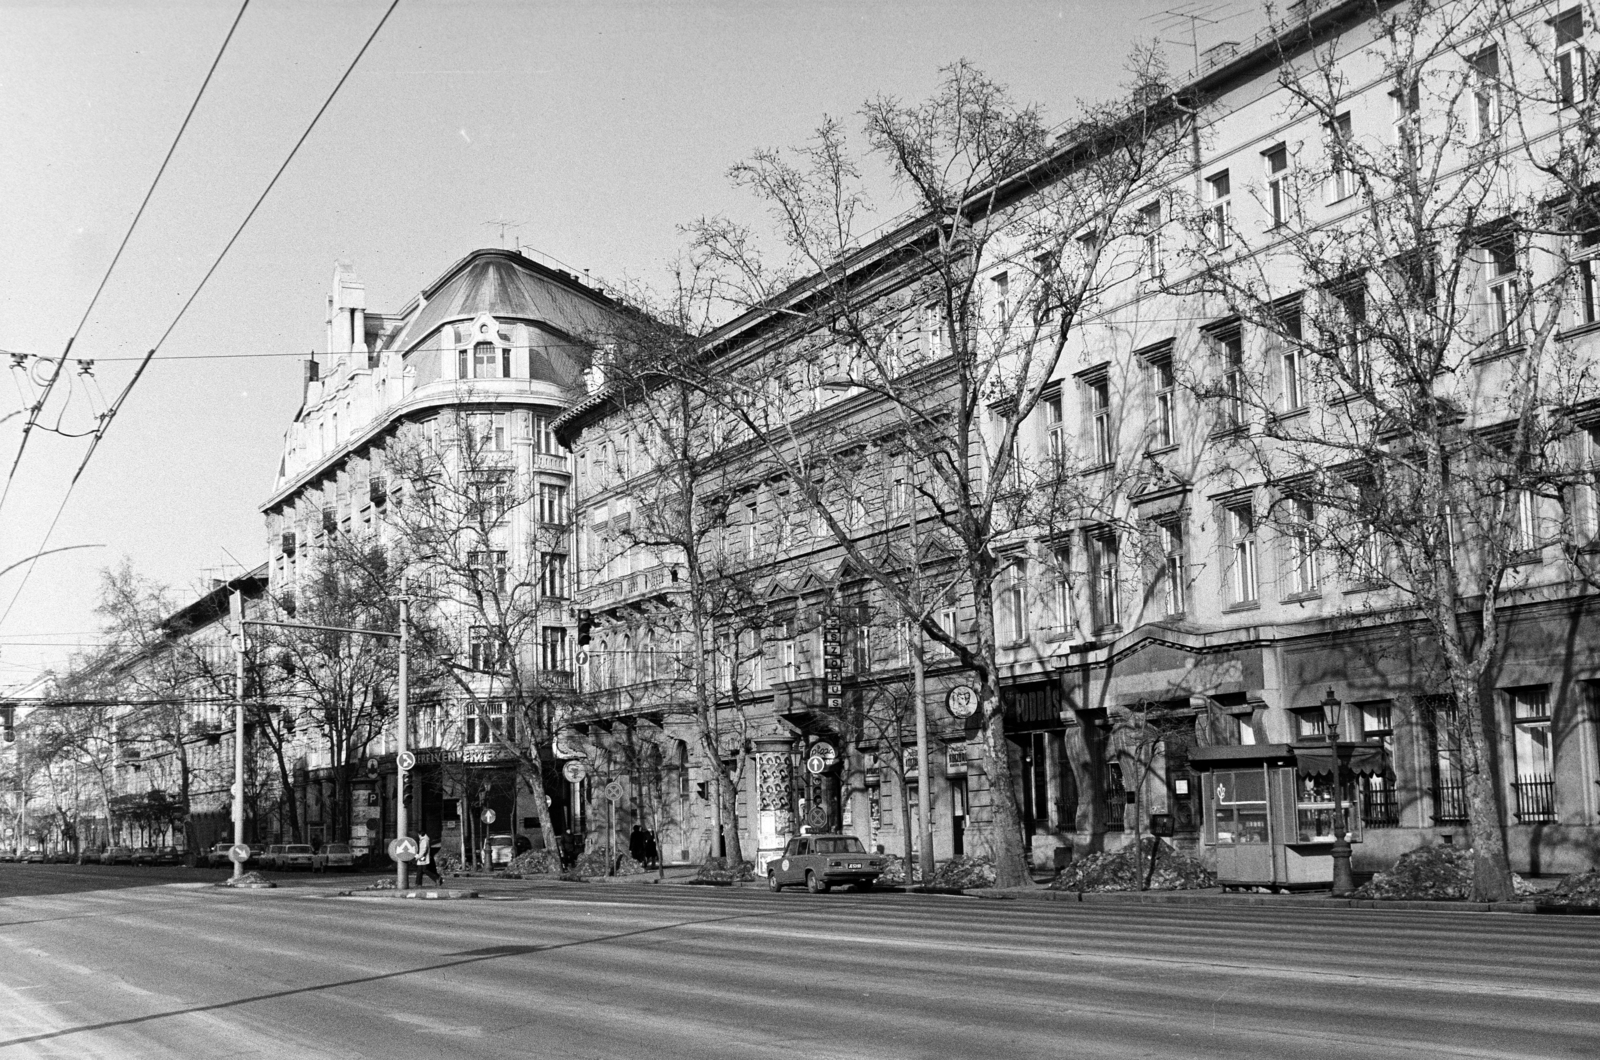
(1449, 801)
(1536, 797)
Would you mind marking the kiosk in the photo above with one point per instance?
(1269, 809)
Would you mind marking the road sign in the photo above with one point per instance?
(613, 790)
(238, 853)
(574, 771)
(816, 765)
(407, 761)
(372, 768)
(403, 849)
(488, 816)
(817, 817)
(962, 701)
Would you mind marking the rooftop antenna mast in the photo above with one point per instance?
(1171, 20)
(503, 225)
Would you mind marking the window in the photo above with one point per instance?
(488, 569)
(553, 575)
(1279, 203)
(1305, 575)
(1016, 603)
(1499, 263)
(1586, 299)
(488, 430)
(1174, 567)
(1230, 343)
(1522, 514)
(1240, 522)
(1104, 562)
(553, 649)
(489, 722)
(484, 361)
(1219, 212)
(1046, 267)
(1407, 107)
(544, 436)
(1000, 285)
(1572, 70)
(1103, 438)
(1535, 752)
(552, 504)
(492, 493)
(1150, 234)
(1349, 338)
(1449, 774)
(1310, 724)
(933, 331)
(1165, 383)
(482, 649)
(788, 662)
(1341, 177)
(1379, 806)
(1291, 361)
(948, 621)
(1368, 555)
(1486, 94)
(1055, 432)
(1066, 620)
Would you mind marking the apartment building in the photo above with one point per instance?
(452, 396)
(1251, 553)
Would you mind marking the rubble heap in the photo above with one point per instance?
(1118, 870)
(534, 863)
(1438, 873)
(894, 871)
(1580, 888)
(964, 873)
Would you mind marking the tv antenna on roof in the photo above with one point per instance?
(1195, 14)
(503, 225)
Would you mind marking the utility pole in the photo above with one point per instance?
(401, 866)
(238, 726)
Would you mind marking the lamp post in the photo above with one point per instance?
(1342, 882)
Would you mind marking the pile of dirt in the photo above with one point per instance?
(1438, 874)
(964, 873)
(725, 870)
(894, 871)
(249, 879)
(1118, 870)
(534, 863)
(386, 883)
(1580, 888)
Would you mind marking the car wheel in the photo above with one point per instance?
(814, 884)
(772, 881)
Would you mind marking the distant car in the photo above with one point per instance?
(269, 859)
(257, 853)
(143, 856)
(498, 850)
(117, 855)
(333, 856)
(821, 862)
(294, 856)
(217, 856)
(8, 855)
(34, 857)
(168, 855)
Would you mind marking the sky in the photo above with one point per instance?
(593, 129)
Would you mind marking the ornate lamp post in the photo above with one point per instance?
(1342, 882)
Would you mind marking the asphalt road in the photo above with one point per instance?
(570, 970)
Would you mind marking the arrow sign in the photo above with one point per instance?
(407, 761)
(238, 853)
(403, 849)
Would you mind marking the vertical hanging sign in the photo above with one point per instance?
(833, 662)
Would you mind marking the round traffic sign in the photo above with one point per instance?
(614, 790)
(816, 765)
(962, 701)
(574, 770)
(488, 816)
(407, 761)
(817, 817)
(238, 853)
(403, 849)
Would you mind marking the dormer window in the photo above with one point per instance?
(483, 360)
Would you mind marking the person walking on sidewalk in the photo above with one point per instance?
(427, 865)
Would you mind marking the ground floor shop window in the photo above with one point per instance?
(1315, 819)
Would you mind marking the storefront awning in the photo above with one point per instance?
(1353, 758)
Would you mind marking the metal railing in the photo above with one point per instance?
(1380, 808)
(1536, 797)
(1449, 801)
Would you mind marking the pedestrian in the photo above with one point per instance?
(652, 856)
(427, 865)
(636, 844)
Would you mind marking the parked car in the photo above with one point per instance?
(168, 855)
(822, 861)
(498, 849)
(34, 857)
(217, 856)
(333, 856)
(269, 859)
(258, 851)
(294, 856)
(143, 856)
(8, 855)
(116, 855)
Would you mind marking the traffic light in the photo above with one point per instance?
(8, 722)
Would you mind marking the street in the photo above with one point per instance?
(567, 970)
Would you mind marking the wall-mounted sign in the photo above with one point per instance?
(962, 702)
(573, 771)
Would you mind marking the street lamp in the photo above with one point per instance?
(1342, 882)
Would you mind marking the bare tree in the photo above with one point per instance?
(1412, 404)
(945, 333)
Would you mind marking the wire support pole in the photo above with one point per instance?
(238, 728)
(401, 868)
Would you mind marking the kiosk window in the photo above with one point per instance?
(1240, 808)
(1314, 807)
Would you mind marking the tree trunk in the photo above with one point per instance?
(1005, 822)
(1491, 868)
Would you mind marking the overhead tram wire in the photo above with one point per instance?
(111, 412)
(38, 406)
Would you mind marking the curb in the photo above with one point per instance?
(1264, 901)
(429, 895)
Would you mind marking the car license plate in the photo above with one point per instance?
(855, 864)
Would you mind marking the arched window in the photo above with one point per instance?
(599, 665)
(625, 661)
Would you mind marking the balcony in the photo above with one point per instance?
(628, 588)
(561, 465)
